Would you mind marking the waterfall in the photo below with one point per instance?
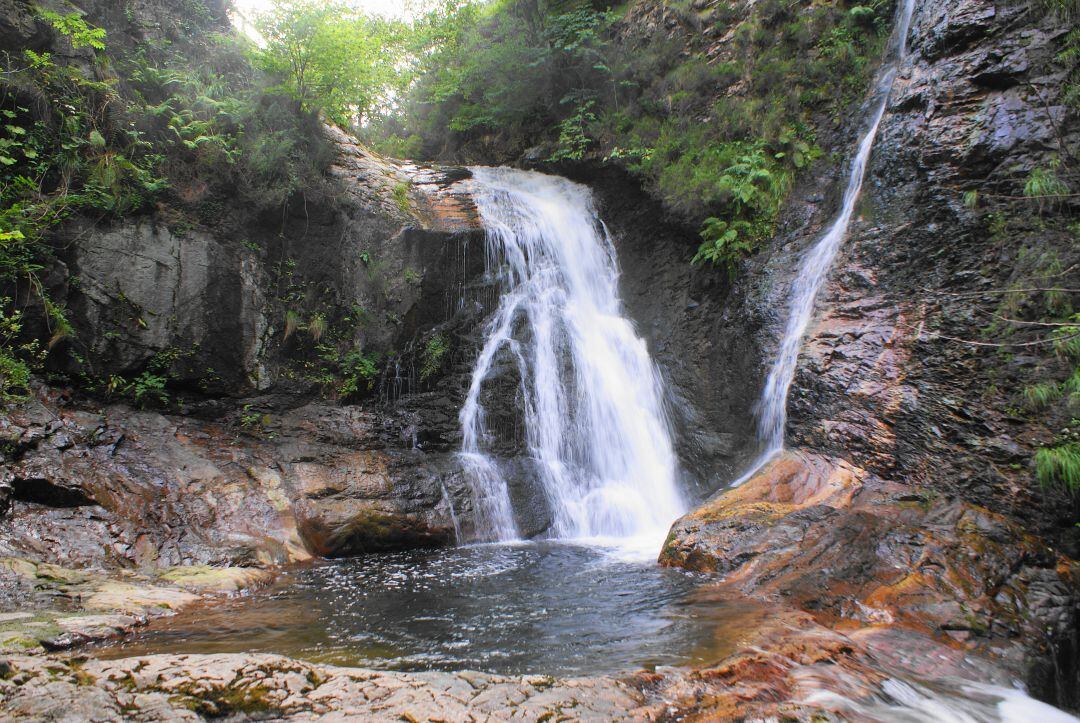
(597, 435)
(772, 407)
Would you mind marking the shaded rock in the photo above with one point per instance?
(355, 532)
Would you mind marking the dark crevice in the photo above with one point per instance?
(44, 492)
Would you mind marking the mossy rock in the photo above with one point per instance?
(204, 578)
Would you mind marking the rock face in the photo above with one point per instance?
(116, 487)
(907, 496)
(58, 607)
(208, 306)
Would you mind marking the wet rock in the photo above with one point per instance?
(58, 608)
(803, 519)
(353, 532)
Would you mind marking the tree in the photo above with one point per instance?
(331, 57)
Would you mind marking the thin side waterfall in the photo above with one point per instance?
(595, 427)
(772, 407)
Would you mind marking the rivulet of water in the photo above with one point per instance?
(597, 435)
(772, 407)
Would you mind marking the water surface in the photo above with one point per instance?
(550, 608)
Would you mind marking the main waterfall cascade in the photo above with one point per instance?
(595, 427)
(815, 266)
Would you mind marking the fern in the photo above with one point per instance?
(434, 355)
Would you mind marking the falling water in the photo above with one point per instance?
(772, 407)
(594, 422)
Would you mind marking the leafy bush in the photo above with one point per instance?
(17, 356)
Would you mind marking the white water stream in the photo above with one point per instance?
(594, 422)
(772, 407)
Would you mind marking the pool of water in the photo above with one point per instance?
(557, 609)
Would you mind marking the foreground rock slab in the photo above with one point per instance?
(191, 687)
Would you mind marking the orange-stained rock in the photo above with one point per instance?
(867, 557)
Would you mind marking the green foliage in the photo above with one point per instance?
(348, 373)
(1058, 467)
(330, 57)
(1063, 9)
(433, 356)
(359, 372)
(573, 133)
(219, 122)
(293, 321)
(1070, 57)
(150, 387)
(18, 357)
(1067, 340)
(514, 71)
(1042, 395)
(725, 242)
(78, 31)
(252, 420)
(316, 325)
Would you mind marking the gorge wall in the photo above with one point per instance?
(906, 501)
(906, 453)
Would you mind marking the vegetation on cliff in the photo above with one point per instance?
(716, 110)
(107, 127)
